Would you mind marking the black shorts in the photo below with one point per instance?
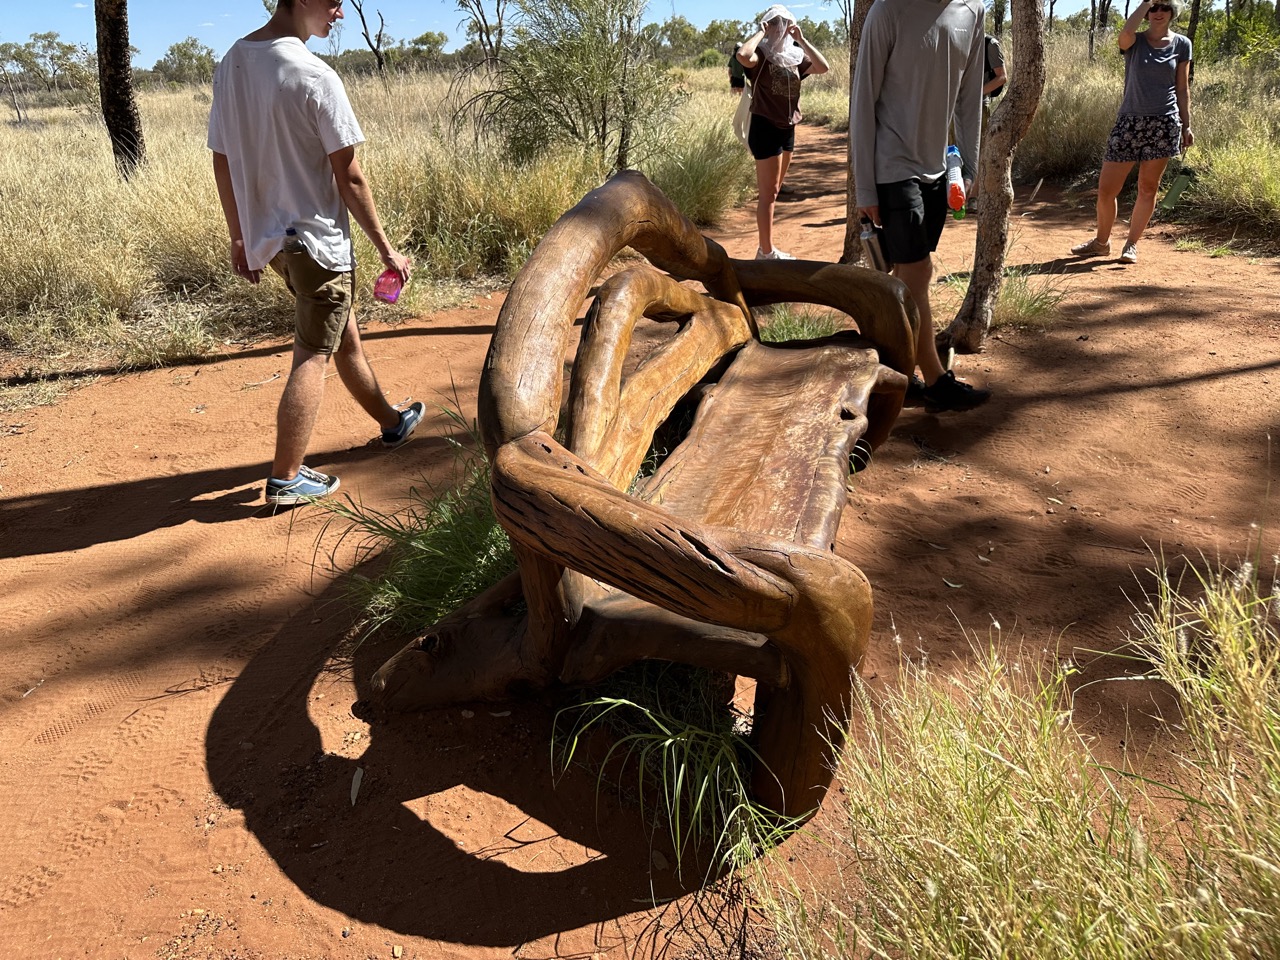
(912, 213)
(764, 140)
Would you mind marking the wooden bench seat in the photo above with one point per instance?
(725, 557)
(769, 448)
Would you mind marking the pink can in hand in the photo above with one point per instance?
(387, 287)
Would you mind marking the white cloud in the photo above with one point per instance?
(208, 24)
(80, 6)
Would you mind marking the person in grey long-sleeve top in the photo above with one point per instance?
(920, 69)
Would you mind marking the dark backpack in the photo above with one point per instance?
(989, 75)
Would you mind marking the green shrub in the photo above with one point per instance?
(711, 58)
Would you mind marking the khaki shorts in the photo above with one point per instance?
(322, 297)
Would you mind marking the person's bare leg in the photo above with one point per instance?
(918, 277)
(357, 376)
(767, 182)
(299, 407)
(1110, 183)
(1149, 174)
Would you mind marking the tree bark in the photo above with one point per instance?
(115, 86)
(1008, 125)
(852, 251)
(1194, 20)
(375, 42)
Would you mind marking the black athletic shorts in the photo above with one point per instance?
(765, 140)
(912, 213)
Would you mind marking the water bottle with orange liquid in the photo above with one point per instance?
(955, 183)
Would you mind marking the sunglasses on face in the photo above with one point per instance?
(1159, 8)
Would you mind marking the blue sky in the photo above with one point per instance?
(155, 25)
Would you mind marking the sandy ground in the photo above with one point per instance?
(179, 741)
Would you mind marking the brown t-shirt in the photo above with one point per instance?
(775, 92)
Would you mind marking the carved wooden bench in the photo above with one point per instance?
(724, 557)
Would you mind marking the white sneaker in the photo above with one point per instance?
(1129, 254)
(774, 254)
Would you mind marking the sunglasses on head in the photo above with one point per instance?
(1159, 8)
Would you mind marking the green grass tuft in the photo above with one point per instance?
(442, 549)
(795, 322)
(671, 730)
(974, 820)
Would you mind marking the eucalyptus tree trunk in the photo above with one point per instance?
(13, 94)
(1008, 125)
(1194, 22)
(115, 86)
(856, 17)
(1093, 27)
(376, 41)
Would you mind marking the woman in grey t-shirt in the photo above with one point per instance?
(1154, 122)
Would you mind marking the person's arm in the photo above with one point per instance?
(818, 62)
(227, 197)
(356, 194)
(747, 55)
(1182, 91)
(995, 83)
(868, 76)
(968, 108)
(1129, 32)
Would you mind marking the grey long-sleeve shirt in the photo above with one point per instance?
(920, 64)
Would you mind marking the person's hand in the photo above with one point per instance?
(240, 263)
(870, 213)
(794, 33)
(396, 261)
(1188, 138)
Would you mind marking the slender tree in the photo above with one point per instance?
(999, 9)
(9, 64)
(1008, 125)
(115, 86)
(487, 24)
(375, 42)
(1194, 22)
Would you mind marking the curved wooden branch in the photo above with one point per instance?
(520, 390)
(611, 424)
(813, 604)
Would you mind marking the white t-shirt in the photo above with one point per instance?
(278, 112)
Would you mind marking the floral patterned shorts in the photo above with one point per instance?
(1134, 139)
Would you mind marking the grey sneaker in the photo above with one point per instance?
(410, 417)
(1129, 254)
(308, 485)
(1094, 248)
(774, 254)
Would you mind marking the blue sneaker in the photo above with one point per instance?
(306, 486)
(409, 420)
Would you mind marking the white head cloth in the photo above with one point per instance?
(776, 47)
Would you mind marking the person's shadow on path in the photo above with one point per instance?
(65, 520)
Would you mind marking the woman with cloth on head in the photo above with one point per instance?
(777, 58)
(1154, 122)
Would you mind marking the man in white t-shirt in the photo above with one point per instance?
(284, 138)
